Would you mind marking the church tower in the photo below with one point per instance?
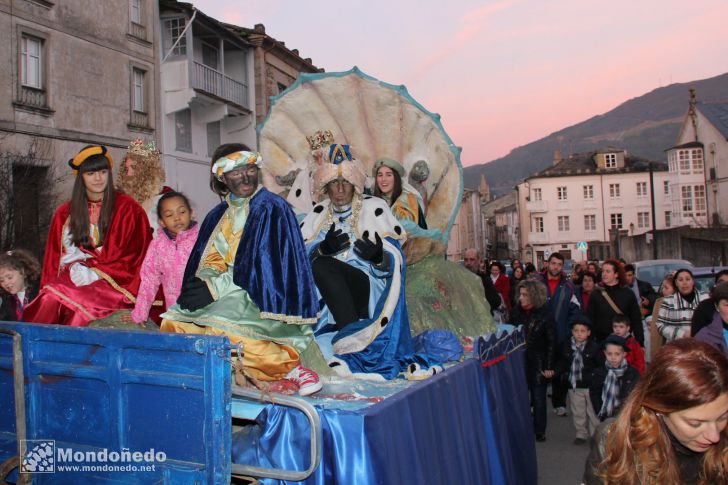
(484, 189)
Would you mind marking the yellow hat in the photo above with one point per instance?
(89, 151)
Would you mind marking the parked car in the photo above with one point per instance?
(654, 270)
(705, 277)
(507, 264)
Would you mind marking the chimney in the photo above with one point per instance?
(259, 28)
(557, 156)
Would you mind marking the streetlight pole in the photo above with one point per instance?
(654, 216)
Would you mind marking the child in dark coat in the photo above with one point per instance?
(612, 382)
(580, 356)
(636, 355)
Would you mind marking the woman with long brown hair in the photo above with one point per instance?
(96, 245)
(672, 429)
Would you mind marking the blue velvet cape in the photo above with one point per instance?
(271, 263)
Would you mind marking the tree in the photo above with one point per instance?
(27, 195)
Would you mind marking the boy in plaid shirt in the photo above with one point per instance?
(580, 356)
(612, 382)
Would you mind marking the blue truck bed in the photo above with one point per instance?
(89, 390)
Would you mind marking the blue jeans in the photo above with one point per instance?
(538, 403)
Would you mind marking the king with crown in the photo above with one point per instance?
(354, 244)
(142, 177)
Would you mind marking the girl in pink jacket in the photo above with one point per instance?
(167, 254)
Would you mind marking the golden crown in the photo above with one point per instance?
(139, 147)
(320, 139)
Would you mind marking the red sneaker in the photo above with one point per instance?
(307, 380)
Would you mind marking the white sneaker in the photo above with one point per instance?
(307, 380)
(560, 411)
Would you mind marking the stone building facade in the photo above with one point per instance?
(469, 228)
(72, 73)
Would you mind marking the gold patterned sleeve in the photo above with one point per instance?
(405, 208)
(214, 261)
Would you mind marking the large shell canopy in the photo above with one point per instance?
(377, 119)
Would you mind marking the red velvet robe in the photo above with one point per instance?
(118, 263)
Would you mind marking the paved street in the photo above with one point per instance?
(560, 462)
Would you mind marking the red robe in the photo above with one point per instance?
(118, 263)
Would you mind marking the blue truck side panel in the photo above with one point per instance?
(94, 389)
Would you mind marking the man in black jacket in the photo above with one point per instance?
(471, 260)
(644, 292)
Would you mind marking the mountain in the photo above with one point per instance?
(645, 126)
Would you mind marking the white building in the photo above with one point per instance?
(581, 198)
(207, 97)
(687, 185)
(699, 166)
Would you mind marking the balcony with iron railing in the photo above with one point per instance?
(32, 97)
(211, 81)
(139, 119)
(138, 31)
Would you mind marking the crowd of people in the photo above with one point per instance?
(585, 338)
(276, 284)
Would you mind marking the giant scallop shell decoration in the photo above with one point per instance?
(376, 119)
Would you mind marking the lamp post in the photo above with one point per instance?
(654, 216)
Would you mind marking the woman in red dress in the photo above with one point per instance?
(96, 245)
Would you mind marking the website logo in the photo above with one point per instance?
(42, 456)
(37, 456)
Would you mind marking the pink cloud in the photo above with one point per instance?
(472, 23)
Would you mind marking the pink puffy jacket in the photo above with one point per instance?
(164, 263)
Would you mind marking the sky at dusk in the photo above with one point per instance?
(502, 73)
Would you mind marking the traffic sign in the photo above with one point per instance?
(582, 246)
